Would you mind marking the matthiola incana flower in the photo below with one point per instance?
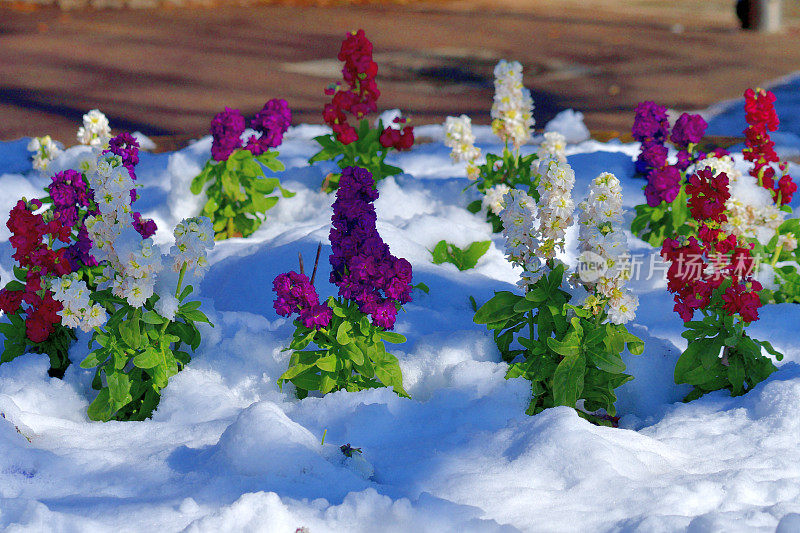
(459, 137)
(519, 216)
(555, 207)
(604, 251)
(95, 130)
(45, 150)
(493, 200)
(554, 146)
(194, 237)
(512, 110)
(77, 310)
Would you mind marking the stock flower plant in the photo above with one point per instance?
(665, 213)
(55, 242)
(570, 352)
(347, 333)
(237, 197)
(359, 145)
(713, 274)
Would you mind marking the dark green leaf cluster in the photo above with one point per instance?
(720, 355)
(139, 350)
(347, 355)
(786, 276)
(567, 354)
(654, 224)
(366, 152)
(238, 195)
(445, 252)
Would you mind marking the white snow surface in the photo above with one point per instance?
(228, 451)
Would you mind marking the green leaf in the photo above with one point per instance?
(440, 252)
(327, 363)
(500, 307)
(149, 358)
(130, 332)
(342, 333)
(119, 385)
(569, 347)
(474, 252)
(391, 336)
(608, 362)
(100, 409)
(568, 380)
(151, 317)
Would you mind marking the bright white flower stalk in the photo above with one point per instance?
(77, 310)
(458, 136)
(751, 211)
(45, 150)
(132, 262)
(512, 110)
(95, 131)
(554, 146)
(194, 237)
(519, 216)
(493, 199)
(604, 259)
(555, 208)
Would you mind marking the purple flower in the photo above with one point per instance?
(664, 185)
(650, 122)
(689, 129)
(684, 160)
(144, 226)
(653, 155)
(126, 146)
(362, 266)
(226, 129)
(271, 122)
(316, 317)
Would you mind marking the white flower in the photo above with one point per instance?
(459, 137)
(555, 207)
(788, 242)
(193, 238)
(95, 130)
(45, 150)
(622, 308)
(512, 109)
(554, 146)
(493, 199)
(95, 317)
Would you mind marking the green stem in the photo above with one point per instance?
(180, 281)
(776, 255)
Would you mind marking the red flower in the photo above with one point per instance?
(10, 301)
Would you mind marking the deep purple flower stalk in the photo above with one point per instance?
(295, 294)
(226, 129)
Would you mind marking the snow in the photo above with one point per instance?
(228, 451)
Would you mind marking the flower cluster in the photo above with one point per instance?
(750, 210)
(554, 146)
(761, 118)
(77, 311)
(555, 207)
(45, 150)
(699, 267)
(651, 128)
(362, 266)
(493, 199)
(459, 138)
(131, 261)
(270, 123)
(296, 294)
(397, 136)
(71, 201)
(31, 238)
(519, 216)
(361, 97)
(95, 130)
(194, 237)
(512, 109)
(604, 251)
